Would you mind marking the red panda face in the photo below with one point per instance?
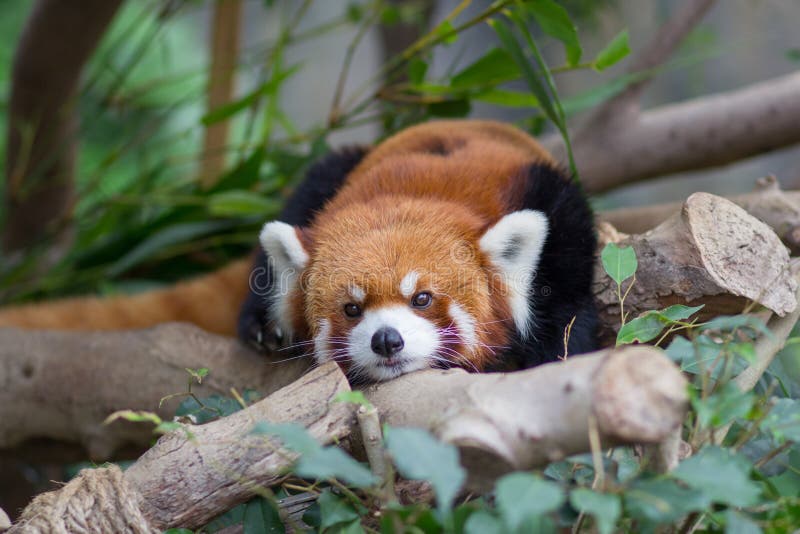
(395, 286)
(399, 285)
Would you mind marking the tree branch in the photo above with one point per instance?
(498, 421)
(778, 209)
(711, 252)
(42, 124)
(655, 53)
(698, 134)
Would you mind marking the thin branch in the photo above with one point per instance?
(697, 134)
(657, 51)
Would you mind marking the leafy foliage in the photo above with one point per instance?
(144, 219)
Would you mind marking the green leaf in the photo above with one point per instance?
(531, 77)
(619, 262)
(270, 87)
(420, 456)
(482, 522)
(521, 496)
(747, 323)
(240, 202)
(446, 31)
(244, 175)
(725, 405)
(503, 97)
(721, 475)
(793, 54)
(555, 21)
(661, 500)
(680, 350)
(496, 66)
(332, 462)
(783, 420)
(294, 436)
(737, 523)
(642, 329)
(261, 517)
(416, 70)
(605, 508)
(354, 397)
(164, 238)
(450, 108)
(678, 312)
(335, 510)
(354, 527)
(614, 51)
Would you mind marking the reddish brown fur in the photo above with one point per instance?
(426, 195)
(211, 302)
(421, 201)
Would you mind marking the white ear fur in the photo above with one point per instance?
(282, 245)
(514, 245)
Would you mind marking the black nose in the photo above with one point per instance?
(387, 341)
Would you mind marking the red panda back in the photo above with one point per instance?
(470, 163)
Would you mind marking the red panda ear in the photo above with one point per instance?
(514, 245)
(283, 247)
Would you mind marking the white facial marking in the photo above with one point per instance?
(287, 258)
(465, 323)
(420, 343)
(514, 245)
(409, 283)
(322, 349)
(357, 293)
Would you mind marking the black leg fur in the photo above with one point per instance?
(321, 182)
(562, 287)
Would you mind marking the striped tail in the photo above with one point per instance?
(211, 302)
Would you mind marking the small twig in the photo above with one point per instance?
(772, 454)
(654, 54)
(335, 112)
(664, 456)
(371, 435)
(597, 454)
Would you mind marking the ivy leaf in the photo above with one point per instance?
(555, 21)
(496, 66)
(726, 404)
(727, 323)
(650, 324)
(417, 70)
(420, 456)
(334, 510)
(522, 496)
(678, 312)
(783, 420)
(293, 436)
(605, 508)
(482, 522)
(614, 51)
(737, 523)
(261, 517)
(721, 475)
(240, 202)
(662, 500)
(354, 397)
(619, 263)
(642, 329)
(332, 462)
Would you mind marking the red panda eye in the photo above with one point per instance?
(352, 310)
(422, 300)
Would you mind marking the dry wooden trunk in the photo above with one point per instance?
(499, 422)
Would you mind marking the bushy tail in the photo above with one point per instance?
(210, 302)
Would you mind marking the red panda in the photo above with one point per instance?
(452, 243)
